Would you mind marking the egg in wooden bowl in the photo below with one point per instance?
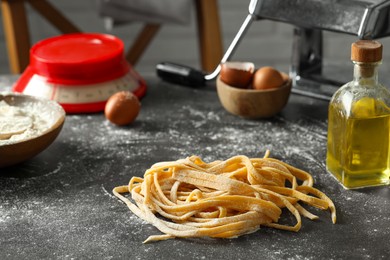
(254, 103)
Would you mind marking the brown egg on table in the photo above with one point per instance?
(267, 78)
(237, 74)
(122, 108)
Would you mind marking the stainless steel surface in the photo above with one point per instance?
(367, 19)
(363, 18)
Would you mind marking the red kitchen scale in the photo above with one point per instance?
(80, 71)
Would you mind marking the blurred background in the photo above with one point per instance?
(266, 42)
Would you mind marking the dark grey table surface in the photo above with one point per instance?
(59, 205)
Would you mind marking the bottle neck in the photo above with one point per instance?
(365, 73)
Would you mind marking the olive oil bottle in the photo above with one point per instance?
(358, 150)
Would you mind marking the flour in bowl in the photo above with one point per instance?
(20, 123)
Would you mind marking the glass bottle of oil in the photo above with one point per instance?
(358, 150)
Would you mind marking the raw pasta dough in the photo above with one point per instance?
(221, 199)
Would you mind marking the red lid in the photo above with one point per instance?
(81, 58)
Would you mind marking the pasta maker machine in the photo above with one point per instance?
(366, 19)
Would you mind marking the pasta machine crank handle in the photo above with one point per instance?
(188, 76)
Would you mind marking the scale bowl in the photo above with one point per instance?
(253, 103)
(80, 71)
(16, 152)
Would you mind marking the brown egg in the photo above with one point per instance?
(122, 108)
(237, 74)
(267, 78)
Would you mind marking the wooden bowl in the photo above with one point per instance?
(18, 151)
(252, 103)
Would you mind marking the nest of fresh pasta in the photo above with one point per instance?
(222, 199)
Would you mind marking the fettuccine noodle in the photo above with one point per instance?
(222, 199)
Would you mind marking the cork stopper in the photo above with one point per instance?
(366, 51)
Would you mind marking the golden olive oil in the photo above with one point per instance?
(359, 123)
(358, 148)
